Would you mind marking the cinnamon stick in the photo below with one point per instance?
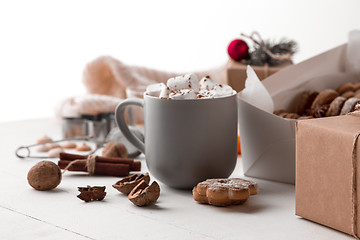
(134, 165)
(111, 169)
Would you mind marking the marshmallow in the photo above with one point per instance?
(187, 81)
(204, 94)
(165, 91)
(183, 94)
(206, 83)
(189, 87)
(155, 89)
(222, 90)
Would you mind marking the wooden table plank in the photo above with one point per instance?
(269, 215)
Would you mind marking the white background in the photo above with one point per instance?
(44, 45)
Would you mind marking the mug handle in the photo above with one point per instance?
(120, 120)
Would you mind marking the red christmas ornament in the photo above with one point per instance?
(238, 50)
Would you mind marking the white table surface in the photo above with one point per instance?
(58, 214)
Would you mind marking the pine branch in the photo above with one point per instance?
(259, 57)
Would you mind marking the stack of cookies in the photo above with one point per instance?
(327, 103)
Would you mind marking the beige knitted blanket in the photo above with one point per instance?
(106, 80)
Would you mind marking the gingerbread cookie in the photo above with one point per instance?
(280, 111)
(357, 92)
(348, 94)
(326, 96)
(349, 105)
(55, 152)
(83, 148)
(292, 116)
(224, 191)
(53, 145)
(305, 101)
(69, 145)
(356, 86)
(345, 88)
(326, 104)
(44, 139)
(335, 106)
(43, 148)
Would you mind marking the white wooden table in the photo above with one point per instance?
(58, 214)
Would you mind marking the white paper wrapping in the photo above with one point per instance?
(255, 93)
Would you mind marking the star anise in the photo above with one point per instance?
(91, 193)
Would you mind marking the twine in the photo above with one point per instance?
(354, 163)
(261, 43)
(266, 70)
(354, 186)
(90, 164)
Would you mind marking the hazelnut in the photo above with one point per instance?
(44, 175)
(127, 184)
(115, 149)
(143, 194)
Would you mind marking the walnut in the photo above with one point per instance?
(127, 184)
(143, 194)
(115, 149)
(44, 175)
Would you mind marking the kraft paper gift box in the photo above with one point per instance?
(236, 72)
(328, 171)
(267, 140)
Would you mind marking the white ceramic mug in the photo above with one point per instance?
(186, 141)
